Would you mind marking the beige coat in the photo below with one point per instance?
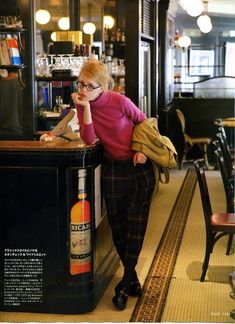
(147, 139)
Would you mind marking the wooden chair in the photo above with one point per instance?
(223, 145)
(217, 224)
(228, 183)
(221, 129)
(189, 142)
(227, 177)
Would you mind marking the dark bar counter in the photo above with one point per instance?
(39, 186)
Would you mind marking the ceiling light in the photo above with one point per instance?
(64, 23)
(89, 28)
(108, 22)
(43, 16)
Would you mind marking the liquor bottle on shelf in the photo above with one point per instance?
(58, 104)
(80, 230)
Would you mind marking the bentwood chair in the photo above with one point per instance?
(226, 152)
(217, 224)
(221, 130)
(227, 177)
(228, 183)
(189, 142)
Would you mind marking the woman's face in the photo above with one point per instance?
(88, 89)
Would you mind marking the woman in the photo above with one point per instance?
(127, 177)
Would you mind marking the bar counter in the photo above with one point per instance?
(39, 186)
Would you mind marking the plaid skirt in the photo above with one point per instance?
(127, 192)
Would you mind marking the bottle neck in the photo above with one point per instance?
(82, 184)
(82, 196)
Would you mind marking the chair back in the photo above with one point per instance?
(221, 130)
(218, 145)
(225, 150)
(227, 179)
(204, 192)
(181, 118)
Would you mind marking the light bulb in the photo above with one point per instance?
(42, 16)
(89, 28)
(64, 23)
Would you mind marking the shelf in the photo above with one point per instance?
(13, 67)
(187, 66)
(12, 30)
(178, 82)
(50, 79)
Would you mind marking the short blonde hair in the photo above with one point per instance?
(98, 72)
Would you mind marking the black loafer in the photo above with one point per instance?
(120, 299)
(135, 289)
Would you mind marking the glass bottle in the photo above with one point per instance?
(58, 104)
(80, 230)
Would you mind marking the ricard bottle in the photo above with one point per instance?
(80, 230)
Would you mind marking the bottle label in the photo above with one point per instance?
(80, 242)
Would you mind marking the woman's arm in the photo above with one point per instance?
(86, 127)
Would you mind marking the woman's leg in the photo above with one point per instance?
(138, 202)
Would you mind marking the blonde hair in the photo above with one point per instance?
(98, 72)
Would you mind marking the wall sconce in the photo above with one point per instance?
(64, 23)
(108, 22)
(184, 42)
(42, 16)
(89, 28)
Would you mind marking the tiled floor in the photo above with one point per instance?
(188, 299)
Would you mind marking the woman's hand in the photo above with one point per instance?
(77, 99)
(139, 158)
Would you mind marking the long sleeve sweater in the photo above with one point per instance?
(113, 118)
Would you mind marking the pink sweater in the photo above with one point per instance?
(113, 117)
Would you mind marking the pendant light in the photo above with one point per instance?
(204, 21)
(108, 21)
(194, 8)
(42, 15)
(64, 22)
(184, 41)
(89, 28)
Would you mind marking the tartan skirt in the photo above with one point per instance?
(127, 193)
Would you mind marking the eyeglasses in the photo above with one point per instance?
(89, 87)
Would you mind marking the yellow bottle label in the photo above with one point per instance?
(80, 242)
